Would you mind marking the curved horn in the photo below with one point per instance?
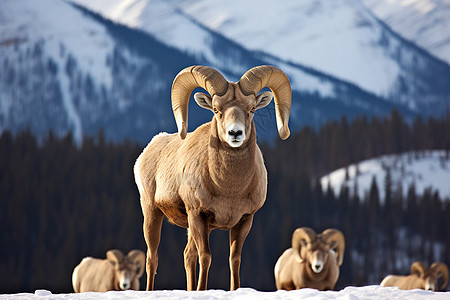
(185, 82)
(418, 268)
(301, 237)
(137, 257)
(115, 256)
(441, 270)
(259, 77)
(336, 240)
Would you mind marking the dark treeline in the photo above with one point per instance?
(61, 203)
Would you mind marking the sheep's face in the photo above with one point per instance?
(233, 113)
(429, 281)
(125, 274)
(316, 254)
(430, 284)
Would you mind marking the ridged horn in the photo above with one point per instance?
(185, 82)
(260, 77)
(441, 269)
(302, 233)
(418, 268)
(333, 236)
(137, 257)
(115, 256)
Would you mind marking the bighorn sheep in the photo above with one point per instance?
(115, 273)
(420, 278)
(213, 177)
(312, 262)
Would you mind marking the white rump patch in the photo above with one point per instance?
(385, 280)
(158, 135)
(137, 176)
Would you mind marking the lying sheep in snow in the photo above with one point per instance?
(421, 277)
(312, 262)
(115, 273)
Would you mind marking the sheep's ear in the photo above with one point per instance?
(203, 100)
(418, 268)
(263, 99)
(114, 256)
(303, 242)
(333, 245)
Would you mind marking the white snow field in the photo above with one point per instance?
(349, 293)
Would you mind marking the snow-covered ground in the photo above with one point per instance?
(425, 169)
(349, 293)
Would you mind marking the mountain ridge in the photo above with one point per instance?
(116, 86)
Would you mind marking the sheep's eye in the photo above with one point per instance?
(253, 110)
(215, 110)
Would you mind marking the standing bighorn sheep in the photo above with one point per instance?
(115, 273)
(312, 262)
(213, 177)
(420, 278)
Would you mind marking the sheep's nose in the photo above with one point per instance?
(317, 267)
(125, 285)
(235, 133)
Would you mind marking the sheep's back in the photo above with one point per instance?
(285, 269)
(93, 275)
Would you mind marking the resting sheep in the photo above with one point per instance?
(213, 177)
(115, 273)
(420, 278)
(312, 262)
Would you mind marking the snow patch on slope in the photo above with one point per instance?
(166, 22)
(425, 22)
(424, 169)
(27, 22)
(160, 19)
(337, 37)
(53, 21)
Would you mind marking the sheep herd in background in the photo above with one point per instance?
(215, 177)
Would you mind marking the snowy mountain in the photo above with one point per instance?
(425, 22)
(430, 169)
(341, 38)
(36, 41)
(68, 69)
(85, 66)
(354, 293)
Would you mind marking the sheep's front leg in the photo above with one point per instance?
(190, 262)
(153, 218)
(199, 230)
(238, 234)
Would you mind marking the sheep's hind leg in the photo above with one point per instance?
(238, 234)
(152, 233)
(199, 230)
(190, 262)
